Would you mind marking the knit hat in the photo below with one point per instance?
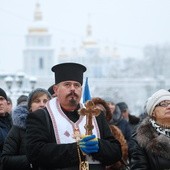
(3, 94)
(34, 92)
(22, 99)
(155, 99)
(68, 71)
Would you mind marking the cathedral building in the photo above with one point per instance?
(109, 74)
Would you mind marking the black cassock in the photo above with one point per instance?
(43, 151)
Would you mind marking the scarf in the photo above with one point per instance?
(160, 129)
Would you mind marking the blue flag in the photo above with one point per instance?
(86, 94)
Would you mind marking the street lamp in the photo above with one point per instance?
(19, 79)
(19, 84)
(9, 82)
(33, 81)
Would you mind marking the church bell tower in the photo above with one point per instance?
(38, 53)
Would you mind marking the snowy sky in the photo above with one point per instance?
(128, 24)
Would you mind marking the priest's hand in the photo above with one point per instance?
(89, 144)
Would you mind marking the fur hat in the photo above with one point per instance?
(3, 94)
(32, 94)
(100, 101)
(155, 99)
(68, 71)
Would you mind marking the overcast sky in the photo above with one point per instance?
(128, 24)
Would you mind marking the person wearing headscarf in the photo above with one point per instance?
(131, 119)
(14, 151)
(56, 137)
(118, 120)
(150, 146)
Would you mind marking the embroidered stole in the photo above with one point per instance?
(64, 127)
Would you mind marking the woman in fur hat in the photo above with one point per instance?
(14, 151)
(150, 147)
(103, 106)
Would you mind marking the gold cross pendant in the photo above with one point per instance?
(84, 165)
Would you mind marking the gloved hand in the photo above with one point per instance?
(89, 144)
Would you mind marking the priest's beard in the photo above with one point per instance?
(73, 102)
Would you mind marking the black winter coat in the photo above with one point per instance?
(149, 150)
(44, 152)
(14, 150)
(5, 126)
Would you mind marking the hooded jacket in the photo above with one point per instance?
(121, 123)
(14, 152)
(149, 150)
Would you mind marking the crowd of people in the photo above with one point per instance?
(50, 129)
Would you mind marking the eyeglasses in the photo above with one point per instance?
(163, 104)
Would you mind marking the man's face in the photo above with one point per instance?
(9, 107)
(125, 114)
(69, 94)
(3, 106)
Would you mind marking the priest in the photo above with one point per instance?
(56, 136)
